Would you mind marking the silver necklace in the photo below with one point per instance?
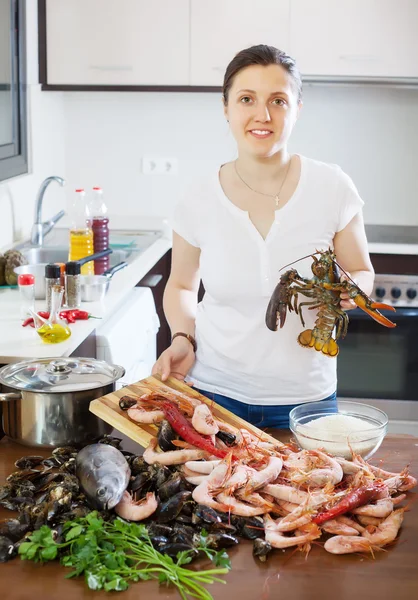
(275, 196)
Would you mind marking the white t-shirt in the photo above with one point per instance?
(237, 355)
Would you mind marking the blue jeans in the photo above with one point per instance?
(262, 416)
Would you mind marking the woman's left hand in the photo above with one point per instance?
(345, 302)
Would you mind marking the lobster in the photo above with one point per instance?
(323, 292)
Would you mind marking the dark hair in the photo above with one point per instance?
(261, 55)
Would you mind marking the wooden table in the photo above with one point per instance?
(393, 574)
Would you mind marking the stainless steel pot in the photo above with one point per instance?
(94, 287)
(46, 401)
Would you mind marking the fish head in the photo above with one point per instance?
(109, 492)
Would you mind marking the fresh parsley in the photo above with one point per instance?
(111, 555)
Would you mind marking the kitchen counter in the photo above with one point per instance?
(19, 343)
(323, 576)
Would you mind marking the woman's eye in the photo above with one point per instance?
(279, 101)
(245, 99)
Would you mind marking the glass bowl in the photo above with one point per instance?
(364, 441)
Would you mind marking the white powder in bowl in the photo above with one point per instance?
(334, 433)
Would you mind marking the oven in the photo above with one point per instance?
(379, 365)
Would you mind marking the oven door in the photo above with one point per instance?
(379, 365)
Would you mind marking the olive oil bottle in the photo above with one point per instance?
(53, 330)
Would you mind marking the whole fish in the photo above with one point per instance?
(103, 473)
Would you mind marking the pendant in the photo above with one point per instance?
(277, 200)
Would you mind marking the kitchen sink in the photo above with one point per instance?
(58, 254)
(126, 246)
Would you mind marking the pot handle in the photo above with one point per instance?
(10, 396)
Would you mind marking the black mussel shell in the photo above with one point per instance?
(51, 462)
(13, 529)
(6, 491)
(229, 439)
(186, 519)
(28, 462)
(110, 441)
(159, 529)
(248, 527)
(261, 548)
(137, 464)
(160, 473)
(182, 534)
(141, 484)
(221, 540)
(170, 509)
(127, 402)
(166, 435)
(205, 514)
(7, 549)
(171, 486)
(159, 540)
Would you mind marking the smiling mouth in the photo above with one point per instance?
(260, 133)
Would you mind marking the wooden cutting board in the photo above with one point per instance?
(107, 408)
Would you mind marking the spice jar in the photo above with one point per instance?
(52, 277)
(73, 284)
(26, 285)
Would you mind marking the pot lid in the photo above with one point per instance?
(65, 374)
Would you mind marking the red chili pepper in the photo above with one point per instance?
(359, 497)
(43, 314)
(83, 315)
(28, 321)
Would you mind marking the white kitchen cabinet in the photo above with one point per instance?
(117, 42)
(358, 38)
(221, 28)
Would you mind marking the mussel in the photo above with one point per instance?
(137, 464)
(229, 439)
(174, 484)
(127, 402)
(169, 510)
(141, 484)
(166, 435)
(173, 548)
(248, 527)
(28, 462)
(13, 529)
(221, 540)
(261, 549)
(182, 534)
(7, 549)
(205, 515)
(110, 441)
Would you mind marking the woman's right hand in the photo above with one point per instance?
(176, 361)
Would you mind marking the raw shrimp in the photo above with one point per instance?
(336, 527)
(401, 482)
(240, 508)
(387, 531)
(349, 467)
(172, 457)
(239, 478)
(204, 492)
(196, 479)
(350, 522)
(382, 508)
(255, 499)
(319, 477)
(300, 516)
(364, 520)
(290, 494)
(136, 511)
(347, 544)
(275, 537)
(140, 415)
(263, 477)
(202, 466)
(203, 420)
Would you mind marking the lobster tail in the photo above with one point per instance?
(308, 339)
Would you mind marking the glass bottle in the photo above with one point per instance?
(100, 226)
(53, 330)
(81, 233)
(26, 285)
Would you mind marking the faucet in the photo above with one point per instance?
(39, 229)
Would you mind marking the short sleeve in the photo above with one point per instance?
(185, 221)
(350, 203)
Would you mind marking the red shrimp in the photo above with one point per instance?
(359, 497)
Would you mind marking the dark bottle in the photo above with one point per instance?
(100, 226)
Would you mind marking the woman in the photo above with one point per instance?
(236, 230)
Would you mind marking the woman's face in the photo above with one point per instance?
(262, 109)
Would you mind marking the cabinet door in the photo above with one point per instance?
(355, 37)
(117, 42)
(221, 28)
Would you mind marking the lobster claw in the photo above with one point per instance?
(281, 300)
(370, 307)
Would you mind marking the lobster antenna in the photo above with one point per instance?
(299, 259)
(345, 272)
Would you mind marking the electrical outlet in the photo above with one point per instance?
(159, 166)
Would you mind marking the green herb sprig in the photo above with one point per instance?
(111, 555)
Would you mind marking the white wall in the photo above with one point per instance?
(46, 125)
(370, 132)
